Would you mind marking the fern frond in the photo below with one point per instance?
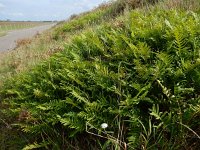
(35, 146)
(180, 42)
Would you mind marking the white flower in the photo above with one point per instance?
(104, 125)
(173, 96)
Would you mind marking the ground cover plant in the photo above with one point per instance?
(138, 75)
(43, 46)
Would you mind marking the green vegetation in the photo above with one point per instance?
(2, 33)
(137, 70)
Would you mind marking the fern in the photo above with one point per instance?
(34, 146)
(141, 78)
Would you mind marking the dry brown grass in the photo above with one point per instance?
(23, 42)
(28, 53)
(182, 4)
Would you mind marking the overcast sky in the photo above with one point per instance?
(40, 10)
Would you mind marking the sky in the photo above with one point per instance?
(44, 10)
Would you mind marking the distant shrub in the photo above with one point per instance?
(73, 16)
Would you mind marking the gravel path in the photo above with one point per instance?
(8, 42)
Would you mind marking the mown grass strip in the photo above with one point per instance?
(2, 33)
(6, 26)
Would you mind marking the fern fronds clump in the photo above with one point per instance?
(141, 78)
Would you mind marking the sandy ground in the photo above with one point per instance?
(8, 42)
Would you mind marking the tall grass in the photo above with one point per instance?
(27, 54)
(192, 5)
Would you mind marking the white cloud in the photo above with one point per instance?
(87, 4)
(17, 14)
(2, 5)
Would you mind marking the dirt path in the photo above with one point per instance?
(8, 42)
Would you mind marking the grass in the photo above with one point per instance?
(28, 53)
(136, 70)
(2, 33)
(6, 26)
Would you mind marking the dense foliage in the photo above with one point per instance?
(140, 75)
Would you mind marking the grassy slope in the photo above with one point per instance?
(93, 77)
